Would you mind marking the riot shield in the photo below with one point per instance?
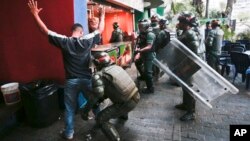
(192, 73)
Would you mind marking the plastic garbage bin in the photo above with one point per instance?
(40, 101)
(1, 94)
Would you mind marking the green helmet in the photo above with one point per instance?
(143, 25)
(163, 22)
(154, 20)
(188, 18)
(101, 60)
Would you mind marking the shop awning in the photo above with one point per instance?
(133, 4)
(124, 4)
(138, 5)
(152, 3)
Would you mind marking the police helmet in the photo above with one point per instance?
(155, 18)
(188, 18)
(115, 25)
(163, 22)
(143, 25)
(101, 60)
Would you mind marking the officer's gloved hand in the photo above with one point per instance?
(137, 50)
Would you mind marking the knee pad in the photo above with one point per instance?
(110, 131)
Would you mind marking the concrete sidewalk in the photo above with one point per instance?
(156, 119)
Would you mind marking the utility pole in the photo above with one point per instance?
(207, 7)
(229, 8)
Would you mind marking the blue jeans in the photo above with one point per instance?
(82, 101)
(71, 92)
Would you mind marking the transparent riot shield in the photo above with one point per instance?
(192, 73)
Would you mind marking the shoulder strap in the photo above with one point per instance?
(168, 34)
(106, 75)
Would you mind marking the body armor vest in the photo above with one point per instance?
(214, 41)
(191, 40)
(142, 40)
(119, 86)
(156, 30)
(117, 36)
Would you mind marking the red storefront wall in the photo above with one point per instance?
(25, 54)
(124, 19)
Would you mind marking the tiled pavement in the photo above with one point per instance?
(156, 119)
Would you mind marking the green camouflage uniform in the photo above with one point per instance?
(214, 44)
(114, 83)
(146, 59)
(191, 40)
(116, 36)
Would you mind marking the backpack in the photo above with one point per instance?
(168, 35)
(159, 45)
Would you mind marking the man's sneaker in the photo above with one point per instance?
(148, 91)
(66, 137)
(188, 116)
(181, 107)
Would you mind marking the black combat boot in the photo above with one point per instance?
(181, 107)
(148, 90)
(124, 117)
(188, 116)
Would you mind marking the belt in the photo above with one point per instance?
(136, 97)
(74, 77)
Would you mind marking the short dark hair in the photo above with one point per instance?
(76, 25)
(215, 23)
(115, 25)
(208, 22)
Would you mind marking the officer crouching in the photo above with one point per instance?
(113, 82)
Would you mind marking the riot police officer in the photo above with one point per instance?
(191, 39)
(156, 30)
(214, 43)
(146, 52)
(163, 37)
(117, 35)
(155, 24)
(113, 82)
(208, 28)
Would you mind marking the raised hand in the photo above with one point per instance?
(35, 12)
(102, 10)
(33, 7)
(102, 15)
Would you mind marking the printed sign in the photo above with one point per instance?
(134, 4)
